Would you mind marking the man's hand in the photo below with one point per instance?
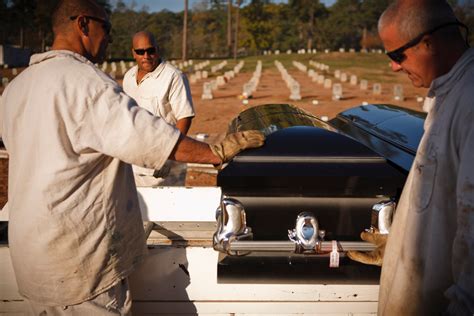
(235, 143)
(374, 257)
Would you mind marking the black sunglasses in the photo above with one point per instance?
(142, 51)
(105, 24)
(398, 55)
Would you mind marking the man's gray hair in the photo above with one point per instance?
(413, 17)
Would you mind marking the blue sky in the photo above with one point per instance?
(178, 5)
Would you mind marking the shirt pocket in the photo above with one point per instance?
(165, 111)
(425, 166)
(150, 104)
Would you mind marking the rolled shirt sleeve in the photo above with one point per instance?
(116, 126)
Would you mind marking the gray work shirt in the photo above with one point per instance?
(429, 259)
(71, 132)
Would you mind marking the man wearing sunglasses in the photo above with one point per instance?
(163, 90)
(75, 228)
(428, 267)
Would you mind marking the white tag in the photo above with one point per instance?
(334, 256)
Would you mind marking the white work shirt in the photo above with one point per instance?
(70, 131)
(429, 259)
(165, 93)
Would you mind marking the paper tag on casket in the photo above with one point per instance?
(334, 256)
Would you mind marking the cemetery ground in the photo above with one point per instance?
(214, 115)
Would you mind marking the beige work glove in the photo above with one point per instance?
(374, 257)
(235, 143)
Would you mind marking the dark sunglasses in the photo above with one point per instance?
(398, 55)
(105, 24)
(142, 51)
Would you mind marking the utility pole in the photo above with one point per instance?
(236, 36)
(229, 27)
(185, 32)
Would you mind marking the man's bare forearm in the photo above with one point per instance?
(184, 124)
(190, 150)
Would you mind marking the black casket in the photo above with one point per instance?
(310, 190)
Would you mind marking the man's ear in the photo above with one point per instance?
(82, 25)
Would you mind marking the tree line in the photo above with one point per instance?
(212, 30)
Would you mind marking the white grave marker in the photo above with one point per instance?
(353, 80)
(377, 89)
(295, 92)
(220, 81)
(327, 83)
(398, 93)
(337, 91)
(320, 79)
(364, 84)
(206, 91)
(343, 77)
(247, 90)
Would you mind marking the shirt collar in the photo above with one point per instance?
(445, 83)
(38, 58)
(155, 73)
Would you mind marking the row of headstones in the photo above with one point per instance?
(199, 72)
(337, 92)
(398, 94)
(202, 65)
(185, 64)
(219, 66)
(319, 78)
(113, 67)
(251, 86)
(291, 83)
(320, 66)
(343, 77)
(363, 50)
(208, 87)
(300, 66)
(198, 75)
(326, 51)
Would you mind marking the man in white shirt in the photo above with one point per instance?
(428, 267)
(75, 229)
(163, 90)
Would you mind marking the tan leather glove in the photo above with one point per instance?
(235, 143)
(374, 257)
